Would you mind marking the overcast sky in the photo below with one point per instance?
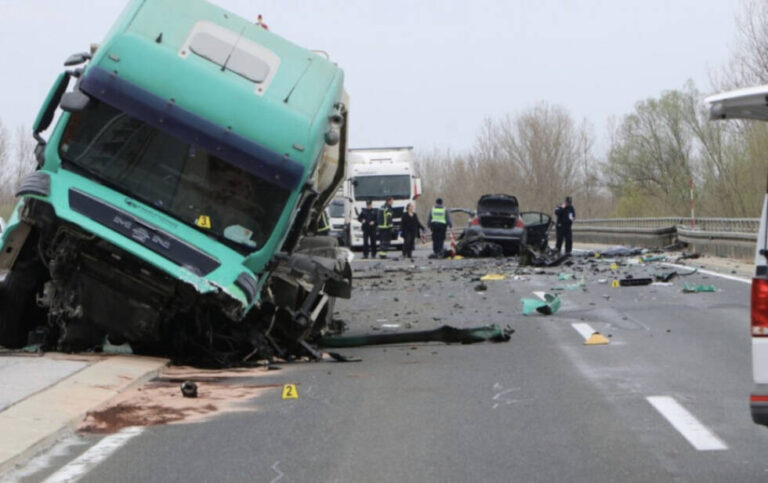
(426, 73)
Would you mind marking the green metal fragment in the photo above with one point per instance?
(689, 288)
(549, 306)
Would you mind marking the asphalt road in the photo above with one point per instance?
(542, 407)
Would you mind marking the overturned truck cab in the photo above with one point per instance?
(176, 201)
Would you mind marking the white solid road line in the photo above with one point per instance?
(696, 433)
(585, 330)
(77, 468)
(710, 272)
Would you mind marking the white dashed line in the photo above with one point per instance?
(77, 468)
(585, 330)
(696, 433)
(710, 272)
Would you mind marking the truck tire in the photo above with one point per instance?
(17, 310)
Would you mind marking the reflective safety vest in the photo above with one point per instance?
(323, 225)
(386, 218)
(438, 215)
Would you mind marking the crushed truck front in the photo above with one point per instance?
(182, 174)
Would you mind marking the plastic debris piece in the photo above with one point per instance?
(481, 287)
(635, 282)
(493, 277)
(565, 276)
(108, 348)
(548, 306)
(653, 258)
(689, 288)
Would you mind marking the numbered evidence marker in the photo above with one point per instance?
(203, 221)
(614, 266)
(290, 392)
(615, 284)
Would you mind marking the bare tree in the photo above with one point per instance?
(6, 192)
(25, 155)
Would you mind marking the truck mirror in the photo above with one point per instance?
(75, 101)
(48, 109)
(77, 59)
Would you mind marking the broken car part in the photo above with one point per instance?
(635, 282)
(446, 334)
(189, 389)
(689, 288)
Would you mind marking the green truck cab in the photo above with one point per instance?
(177, 194)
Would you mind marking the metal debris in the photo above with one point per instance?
(689, 288)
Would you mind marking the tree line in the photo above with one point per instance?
(652, 156)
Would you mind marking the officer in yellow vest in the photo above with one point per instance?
(385, 227)
(323, 223)
(439, 221)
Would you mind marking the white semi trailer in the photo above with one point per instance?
(376, 174)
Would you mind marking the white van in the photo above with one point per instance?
(752, 103)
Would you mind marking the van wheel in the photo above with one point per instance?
(17, 310)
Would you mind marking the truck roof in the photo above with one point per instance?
(226, 69)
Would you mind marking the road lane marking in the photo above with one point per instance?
(585, 330)
(710, 272)
(77, 468)
(684, 422)
(280, 474)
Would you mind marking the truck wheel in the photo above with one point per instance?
(17, 310)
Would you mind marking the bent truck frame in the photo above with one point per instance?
(175, 201)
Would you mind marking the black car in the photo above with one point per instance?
(498, 220)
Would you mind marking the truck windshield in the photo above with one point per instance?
(381, 187)
(176, 177)
(337, 209)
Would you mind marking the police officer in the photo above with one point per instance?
(385, 226)
(565, 214)
(439, 220)
(368, 217)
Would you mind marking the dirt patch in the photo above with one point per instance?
(160, 401)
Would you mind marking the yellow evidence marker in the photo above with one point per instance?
(493, 276)
(597, 339)
(615, 284)
(614, 266)
(203, 221)
(290, 392)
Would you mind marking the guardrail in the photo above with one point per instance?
(727, 237)
(739, 225)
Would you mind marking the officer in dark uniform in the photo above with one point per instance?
(368, 217)
(565, 214)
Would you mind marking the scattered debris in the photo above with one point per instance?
(481, 287)
(634, 282)
(619, 251)
(688, 256)
(446, 334)
(665, 275)
(189, 389)
(548, 306)
(688, 288)
(574, 286)
(653, 258)
(565, 276)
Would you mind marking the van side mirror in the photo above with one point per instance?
(48, 109)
